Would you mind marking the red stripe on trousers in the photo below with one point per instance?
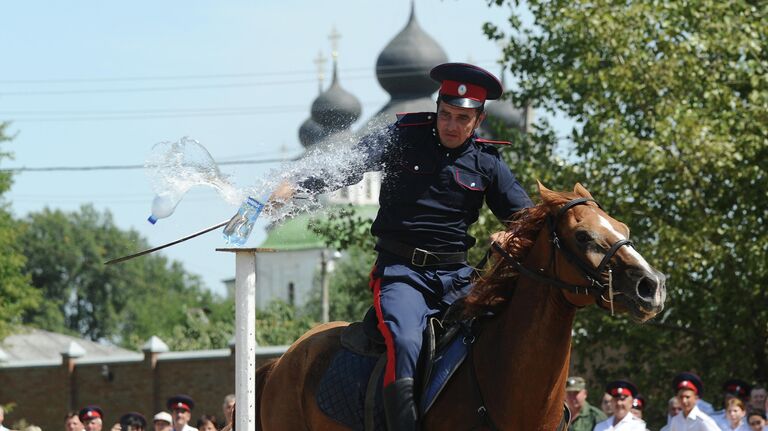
(389, 370)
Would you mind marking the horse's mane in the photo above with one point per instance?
(495, 287)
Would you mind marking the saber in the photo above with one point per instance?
(160, 247)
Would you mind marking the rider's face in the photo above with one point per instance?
(455, 125)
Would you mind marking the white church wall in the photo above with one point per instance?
(366, 192)
(276, 272)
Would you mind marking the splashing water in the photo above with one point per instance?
(175, 167)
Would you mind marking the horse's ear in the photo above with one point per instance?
(547, 195)
(581, 191)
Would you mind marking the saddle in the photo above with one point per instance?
(364, 338)
(350, 391)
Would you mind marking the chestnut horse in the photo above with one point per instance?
(557, 257)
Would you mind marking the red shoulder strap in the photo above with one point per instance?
(488, 141)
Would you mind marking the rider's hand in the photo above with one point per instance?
(501, 237)
(282, 195)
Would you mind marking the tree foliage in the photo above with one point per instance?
(123, 303)
(16, 294)
(281, 323)
(671, 99)
(348, 285)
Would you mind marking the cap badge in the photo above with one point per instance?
(462, 89)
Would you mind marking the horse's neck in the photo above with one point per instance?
(522, 356)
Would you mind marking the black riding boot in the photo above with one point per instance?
(399, 406)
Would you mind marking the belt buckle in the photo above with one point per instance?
(423, 252)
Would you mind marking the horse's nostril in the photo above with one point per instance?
(646, 288)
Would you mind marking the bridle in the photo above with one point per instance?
(600, 279)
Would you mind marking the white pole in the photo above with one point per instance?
(324, 303)
(245, 336)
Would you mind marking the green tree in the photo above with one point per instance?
(281, 323)
(16, 294)
(124, 303)
(670, 99)
(349, 293)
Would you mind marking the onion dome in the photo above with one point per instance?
(310, 133)
(336, 109)
(403, 66)
(502, 113)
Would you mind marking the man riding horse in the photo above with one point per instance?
(437, 173)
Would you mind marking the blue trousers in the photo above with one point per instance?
(404, 296)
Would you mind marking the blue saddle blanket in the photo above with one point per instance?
(341, 394)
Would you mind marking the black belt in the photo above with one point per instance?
(418, 256)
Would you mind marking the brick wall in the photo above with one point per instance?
(44, 393)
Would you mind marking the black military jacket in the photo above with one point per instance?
(431, 194)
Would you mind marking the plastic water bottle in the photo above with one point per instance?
(240, 226)
(163, 206)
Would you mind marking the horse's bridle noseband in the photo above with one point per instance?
(599, 284)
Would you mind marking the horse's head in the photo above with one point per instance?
(592, 248)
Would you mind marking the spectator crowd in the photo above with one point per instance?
(621, 409)
(177, 417)
(622, 406)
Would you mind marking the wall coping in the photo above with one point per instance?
(261, 351)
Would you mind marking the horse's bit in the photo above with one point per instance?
(598, 287)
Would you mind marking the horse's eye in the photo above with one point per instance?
(583, 236)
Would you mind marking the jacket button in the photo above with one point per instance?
(416, 168)
(472, 185)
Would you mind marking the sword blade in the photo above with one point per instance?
(160, 247)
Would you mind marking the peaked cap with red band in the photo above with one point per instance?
(464, 85)
(184, 402)
(638, 402)
(621, 387)
(688, 381)
(88, 413)
(737, 387)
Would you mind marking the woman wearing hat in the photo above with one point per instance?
(623, 393)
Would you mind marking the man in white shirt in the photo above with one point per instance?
(689, 387)
(623, 393)
(181, 409)
(92, 418)
(673, 408)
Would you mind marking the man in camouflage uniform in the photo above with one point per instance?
(584, 415)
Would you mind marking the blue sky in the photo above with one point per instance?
(89, 83)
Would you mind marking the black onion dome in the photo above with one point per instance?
(310, 133)
(502, 111)
(336, 108)
(403, 66)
